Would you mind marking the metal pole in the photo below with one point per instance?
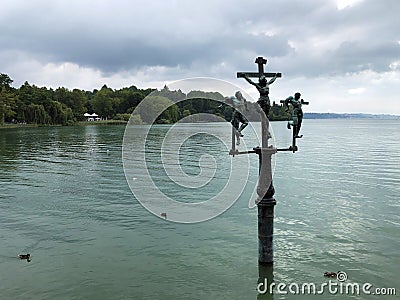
(266, 203)
(266, 231)
(265, 208)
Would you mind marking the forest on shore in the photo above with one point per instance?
(30, 104)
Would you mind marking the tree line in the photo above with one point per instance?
(189, 105)
(46, 106)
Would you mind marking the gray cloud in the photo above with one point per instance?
(126, 35)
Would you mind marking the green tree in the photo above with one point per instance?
(75, 100)
(186, 113)
(153, 105)
(5, 80)
(105, 103)
(135, 120)
(7, 98)
(129, 98)
(7, 105)
(59, 113)
(78, 107)
(31, 94)
(35, 113)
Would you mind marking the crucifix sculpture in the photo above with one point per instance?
(297, 117)
(263, 88)
(265, 189)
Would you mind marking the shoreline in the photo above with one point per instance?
(121, 122)
(80, 123)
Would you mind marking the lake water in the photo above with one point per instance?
(65, 200)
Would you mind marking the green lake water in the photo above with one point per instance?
(65, 200)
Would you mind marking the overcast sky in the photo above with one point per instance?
(343, 56)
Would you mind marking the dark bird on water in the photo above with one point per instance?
(25, 256)
(330, 274)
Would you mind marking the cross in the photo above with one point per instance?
(260, 61)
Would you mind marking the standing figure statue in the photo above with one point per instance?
(297, 114)
(239, 104)
(264, 102)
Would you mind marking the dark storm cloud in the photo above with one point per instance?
(122, 55)
(160, 41)
(123, 35)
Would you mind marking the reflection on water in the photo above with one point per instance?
(265, 282)
(64, 199)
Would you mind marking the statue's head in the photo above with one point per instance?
(263, 79)
(238, 95)
(297, 96)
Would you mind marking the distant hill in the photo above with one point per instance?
(349, 116)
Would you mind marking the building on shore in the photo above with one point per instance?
(92, 117)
